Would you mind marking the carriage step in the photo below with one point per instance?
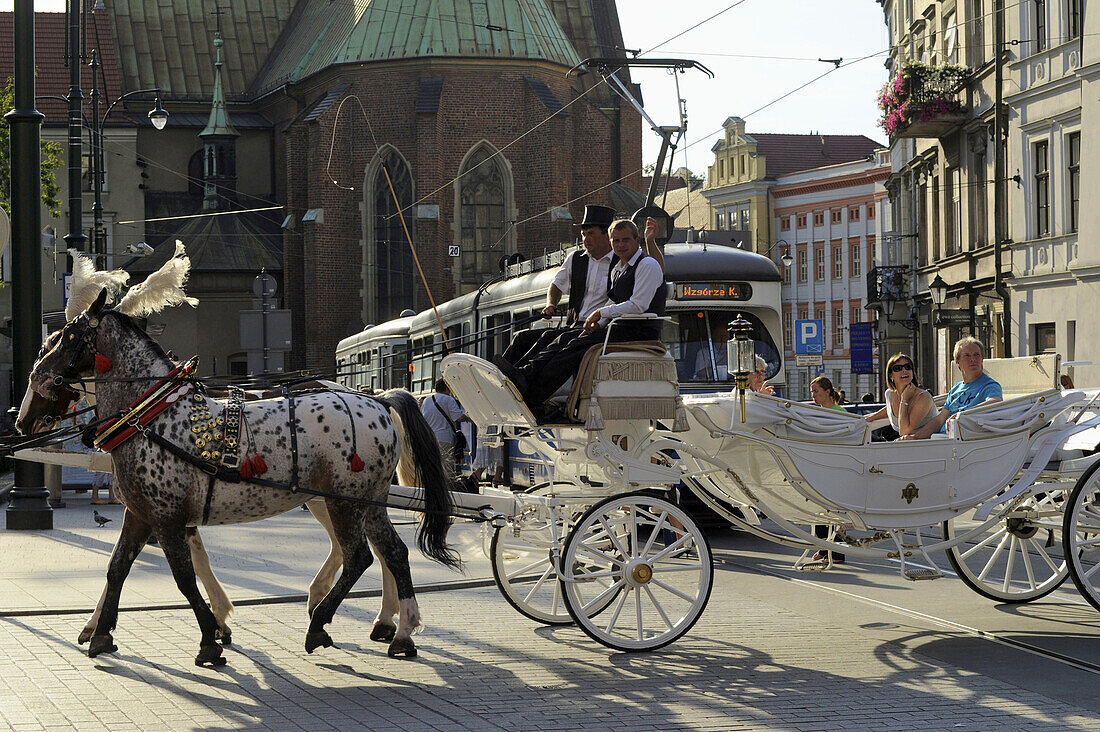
(922, 574)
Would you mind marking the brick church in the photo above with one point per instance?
(465, 107)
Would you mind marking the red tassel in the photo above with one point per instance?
(246, 469)
(103, 364)
(356, 463)
(259, 467)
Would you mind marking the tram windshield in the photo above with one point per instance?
(697, 340)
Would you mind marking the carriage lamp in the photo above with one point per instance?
(741, 350)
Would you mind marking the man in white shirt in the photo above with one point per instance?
(637, 286)
(584, 275)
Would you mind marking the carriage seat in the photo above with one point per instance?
(783, 418)
(1013, 415)
(630, 380)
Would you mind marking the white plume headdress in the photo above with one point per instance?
(161, 289)
(87, 282)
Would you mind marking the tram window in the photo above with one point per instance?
(697, 340)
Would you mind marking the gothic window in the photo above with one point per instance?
(394, 270)
(481, 235)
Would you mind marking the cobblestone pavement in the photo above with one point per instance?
(763, 655)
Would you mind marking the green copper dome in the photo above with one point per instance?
(356, 31)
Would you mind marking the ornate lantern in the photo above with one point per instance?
(741, 356)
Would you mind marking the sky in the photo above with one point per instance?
(843, 102)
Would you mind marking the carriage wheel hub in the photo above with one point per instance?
(641, 573)
(1021, 527)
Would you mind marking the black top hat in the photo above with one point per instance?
(597, 216)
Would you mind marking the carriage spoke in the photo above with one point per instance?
(678, 568)
(638, 615)
(525, 570)
(980, 545)
(993, 559)
(598, 554)
(1090, 572)
(673, 590)
(654, 533)
(1086, 543)
(1012, 544)
(657, 606)
(613, 537)
(610, 627)
(1042, 552)
(681, 543)
(538, 584)
(595, 601)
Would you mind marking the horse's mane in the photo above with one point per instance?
(129, 325)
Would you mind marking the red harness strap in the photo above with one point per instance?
(162, 395)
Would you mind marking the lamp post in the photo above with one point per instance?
(29, 508)
(157, 115)
(938, 290)
(786, 258)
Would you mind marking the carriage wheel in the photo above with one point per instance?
(524, 559)
(1081, 535)
(1018, 559)
(658, 564)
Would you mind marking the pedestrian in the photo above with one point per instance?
(443, 414)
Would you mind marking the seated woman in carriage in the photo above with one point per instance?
(908, 406)
(976, 387)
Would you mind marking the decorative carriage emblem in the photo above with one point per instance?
(910, 492)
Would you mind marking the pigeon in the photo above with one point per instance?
(100, 519)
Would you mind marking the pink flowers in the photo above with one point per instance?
(919, 93)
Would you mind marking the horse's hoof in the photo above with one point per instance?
(402, 647)
(224, 635)
(210, 655)
(101, 644)
(383, 632)
(317, 639)
(85, 636)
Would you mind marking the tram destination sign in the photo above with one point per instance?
(714, 291)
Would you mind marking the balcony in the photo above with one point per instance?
(922, 101)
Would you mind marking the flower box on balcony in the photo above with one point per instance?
(922, 101)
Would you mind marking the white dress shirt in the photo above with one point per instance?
(647, 278)
(595, 287)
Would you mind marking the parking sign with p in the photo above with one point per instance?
(809, 337)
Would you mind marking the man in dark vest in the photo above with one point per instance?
(636, 285)
(584, 275)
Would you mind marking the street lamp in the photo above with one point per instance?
(938, 290)
(158, 116)
(786, 258)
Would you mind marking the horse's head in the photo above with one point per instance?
(67, 354)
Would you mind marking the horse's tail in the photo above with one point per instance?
(431, 536)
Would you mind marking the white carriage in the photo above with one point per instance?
(1014, 507)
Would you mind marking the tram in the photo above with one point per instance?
(710, 283)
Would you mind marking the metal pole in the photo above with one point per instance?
(999, 197)
(29, 508)
(99, 245)
(75, 239)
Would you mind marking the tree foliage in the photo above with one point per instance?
(51, 161)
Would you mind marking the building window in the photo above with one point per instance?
(954, 211)
(819, 262)
(802, 221)
(975, 45)
(1040, 25)
(744, 220)
(803, 314)
(1045, 338)
(1073, 170)
(835, 215)
(741, 166)
(788, 329)
(785, 223)
(392, 268)
(857, 314)
(721, 168)
(977, 193)
(838, 328)
(802, 265)
(838, 264)
(481, 215)
(853, 213)
(950, 38)
(935, 224)
(855, 266)
(821, 316)
(719, 221)
(819, 218)
(1073, 18)
(870, 211)
(1042, 189)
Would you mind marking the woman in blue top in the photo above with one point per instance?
(976, 387)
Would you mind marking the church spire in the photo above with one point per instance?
(219, 147)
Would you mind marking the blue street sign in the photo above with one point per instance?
(809, 336)
(863, 361)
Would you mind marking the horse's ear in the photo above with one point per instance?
(100, 301)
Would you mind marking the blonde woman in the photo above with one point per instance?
(908, 406)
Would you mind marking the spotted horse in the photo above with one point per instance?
(311, 443)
